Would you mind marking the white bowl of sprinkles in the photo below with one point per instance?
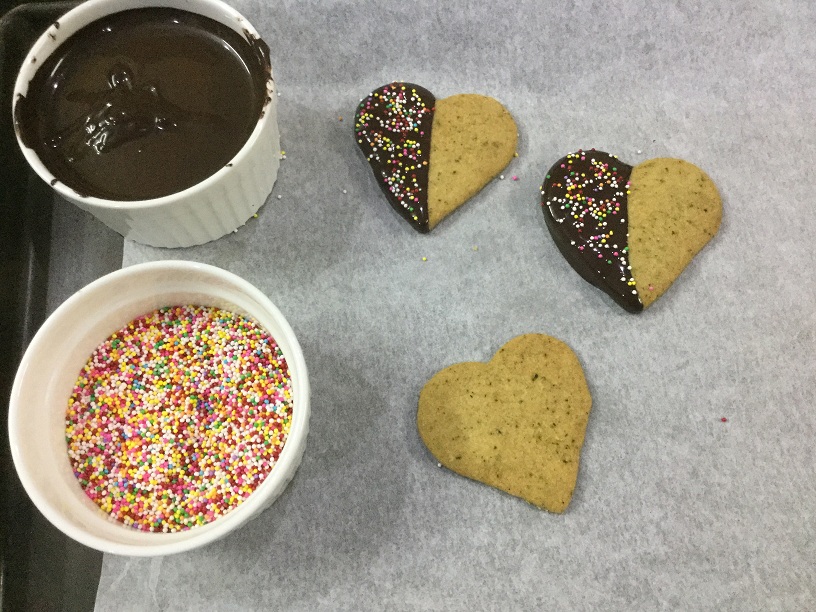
(159, 408)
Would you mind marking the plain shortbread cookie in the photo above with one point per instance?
(516, 423)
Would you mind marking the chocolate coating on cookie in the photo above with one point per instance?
(584, 199)
(393, 129)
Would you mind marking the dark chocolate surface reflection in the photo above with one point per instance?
(144, 103)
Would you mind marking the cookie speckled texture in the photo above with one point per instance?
(674, 210)
(473, 139)
(516, 423)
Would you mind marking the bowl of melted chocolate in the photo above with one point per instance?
(159, 120)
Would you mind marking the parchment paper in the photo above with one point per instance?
(674, 508)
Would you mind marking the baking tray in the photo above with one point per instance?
(40, 568)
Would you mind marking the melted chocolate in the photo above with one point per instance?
(393, 129)
(144, 103)
(584, 199)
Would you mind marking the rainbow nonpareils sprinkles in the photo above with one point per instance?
(393, 129)
(178, 417)
(584, 198)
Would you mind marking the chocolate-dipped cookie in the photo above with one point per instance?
(430, 156)
(629, 230)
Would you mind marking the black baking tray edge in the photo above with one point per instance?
(40, 568)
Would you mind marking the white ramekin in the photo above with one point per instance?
(59, 350)
(216, 206)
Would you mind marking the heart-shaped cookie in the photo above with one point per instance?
(516, 423)
(430, 156)
(629, 230)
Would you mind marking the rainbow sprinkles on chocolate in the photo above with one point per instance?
(393, 129)
(585, 206)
